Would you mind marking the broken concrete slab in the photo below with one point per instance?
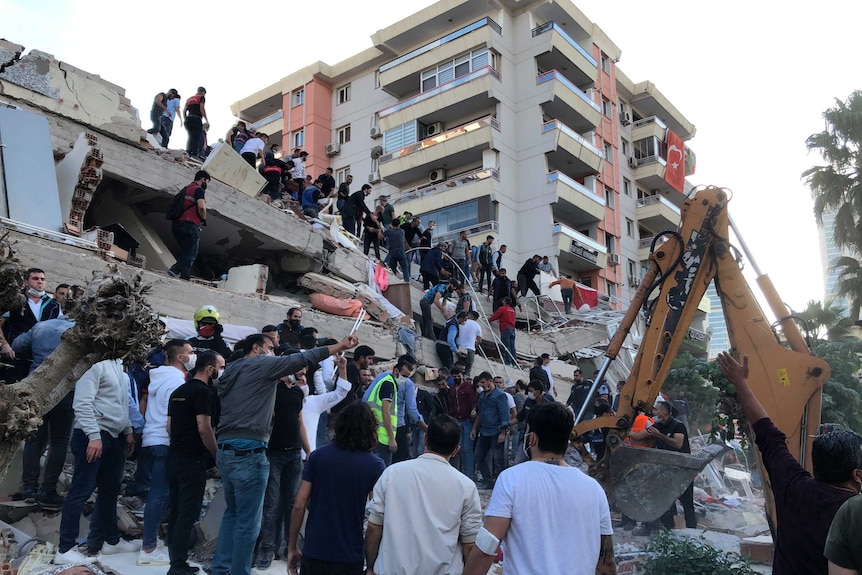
(228, 167)
(14, 511)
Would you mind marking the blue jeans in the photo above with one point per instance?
(322, 430)
(188, 237)
(507, 336)
(418, 435)
(568, 294)
(462, 273)
(484, 444)
(285, 472)
(56, 425)
(157, 500)
(105, 473)
(399, 258)
(382, 451)
(244, 479)
(464, 460)
(166, 127)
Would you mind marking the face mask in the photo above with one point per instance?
(293, 323)
(219, 373)
(204, 186)
(532, 396)
(35, 293)
(207, 330)
(457, 380)
(305, 390)
(189, 364)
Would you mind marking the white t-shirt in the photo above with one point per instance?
(468, 333)
(253, 145)
(558, 517)
(510, 400)
(550, 377)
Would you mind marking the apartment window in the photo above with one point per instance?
(609, 197)
(609, 152)
(627, 187)
(607, 107)
(298, 139)
(632, 268)
(343, 135)
(341, 175)
(606, 63)
(626, 147)
(297, 98)
(610, 243)
(612, 290)
(630, 228)
(401, 136)
(343, 94)
(586, 281)
(460, 66)
(453, 218)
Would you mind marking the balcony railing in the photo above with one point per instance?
(647, 121)
(444, 40)
(650, 160)
(586, 240)
(547, 26)
(433, 141)
(278, 115)
(554, 75)
(439, 90)
(450, 184)
(559, 176)
(558, 125)
(650, 200)
(451, 235)
(647, 242)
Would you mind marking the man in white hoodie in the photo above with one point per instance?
(101, 439)
(164, 380)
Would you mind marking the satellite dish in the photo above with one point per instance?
(376, 152)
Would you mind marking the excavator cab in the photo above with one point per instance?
(786, 378)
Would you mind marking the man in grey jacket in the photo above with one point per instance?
(246, 391)
(101, 439)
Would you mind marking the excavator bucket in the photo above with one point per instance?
(645, 482)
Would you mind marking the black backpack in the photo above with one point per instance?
(177, 207)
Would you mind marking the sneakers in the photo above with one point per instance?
(121, 546)
(264, 560)
(50, 500)
(72, 556)
(28, 496)
(184, 570)
(157, 556)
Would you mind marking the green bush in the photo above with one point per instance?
(673, 555)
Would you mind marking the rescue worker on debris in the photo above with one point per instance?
(209, 328)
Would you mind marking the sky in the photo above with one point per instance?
(754, 77)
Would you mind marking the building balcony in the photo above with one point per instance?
(649, 174)
(575, 204)
(272, 126)
(476, 233)
(456, 147)
(568, 103)
(401, 76)
(461, 188)
(469, 94)
(569, 152)
(648, 101)
(657, 214)
(556, 50)
(648, 128)
(578, 252)
(644, 247)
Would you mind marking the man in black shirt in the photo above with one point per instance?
(363, 357)
(327, 183)
(192, 451)
(285, 465)
(355, 210)
(671, 434)
(527, 276)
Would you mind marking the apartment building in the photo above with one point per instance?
(498, 117)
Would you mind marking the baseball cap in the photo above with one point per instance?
(604, 389)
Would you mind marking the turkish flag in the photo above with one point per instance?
(674, 172)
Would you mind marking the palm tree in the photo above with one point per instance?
(826, 322)
(836, 187)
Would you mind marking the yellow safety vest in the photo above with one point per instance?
(377, 407)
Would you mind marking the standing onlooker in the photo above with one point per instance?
(100, 442)
(254, 148)
(489, 430)
(497, 260)
(425, 407)
(461, 255)
(355, 208)
(469, 336)
(671, 434)
(537, 372)
(327, 183)
(681, 405)
(192, 414)
(388, 211)
(546, 365)
(424, 514)
(195, 114)
(61, 294)
(503, 287)
(343, 194)
(172, 107)
(505, 314)
(397, 254)
(382, 397)
(546, 266)
(38, 343)
(373, 232)
(527, 276)
(298, 171)
(408, 415)
(335, 485)
(844, 542)
(155, 442)
(462, 406)
(247, 391)
(187, 228)
(574, 535)
(486, 265)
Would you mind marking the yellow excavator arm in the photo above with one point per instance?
(784, 375)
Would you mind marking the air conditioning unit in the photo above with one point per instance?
(614, 259)
(333, 149)
(634, 281)
(625, 118)
(433, 129)
(375, 132)
(374, 178)
(633, 162)
(437, 175)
